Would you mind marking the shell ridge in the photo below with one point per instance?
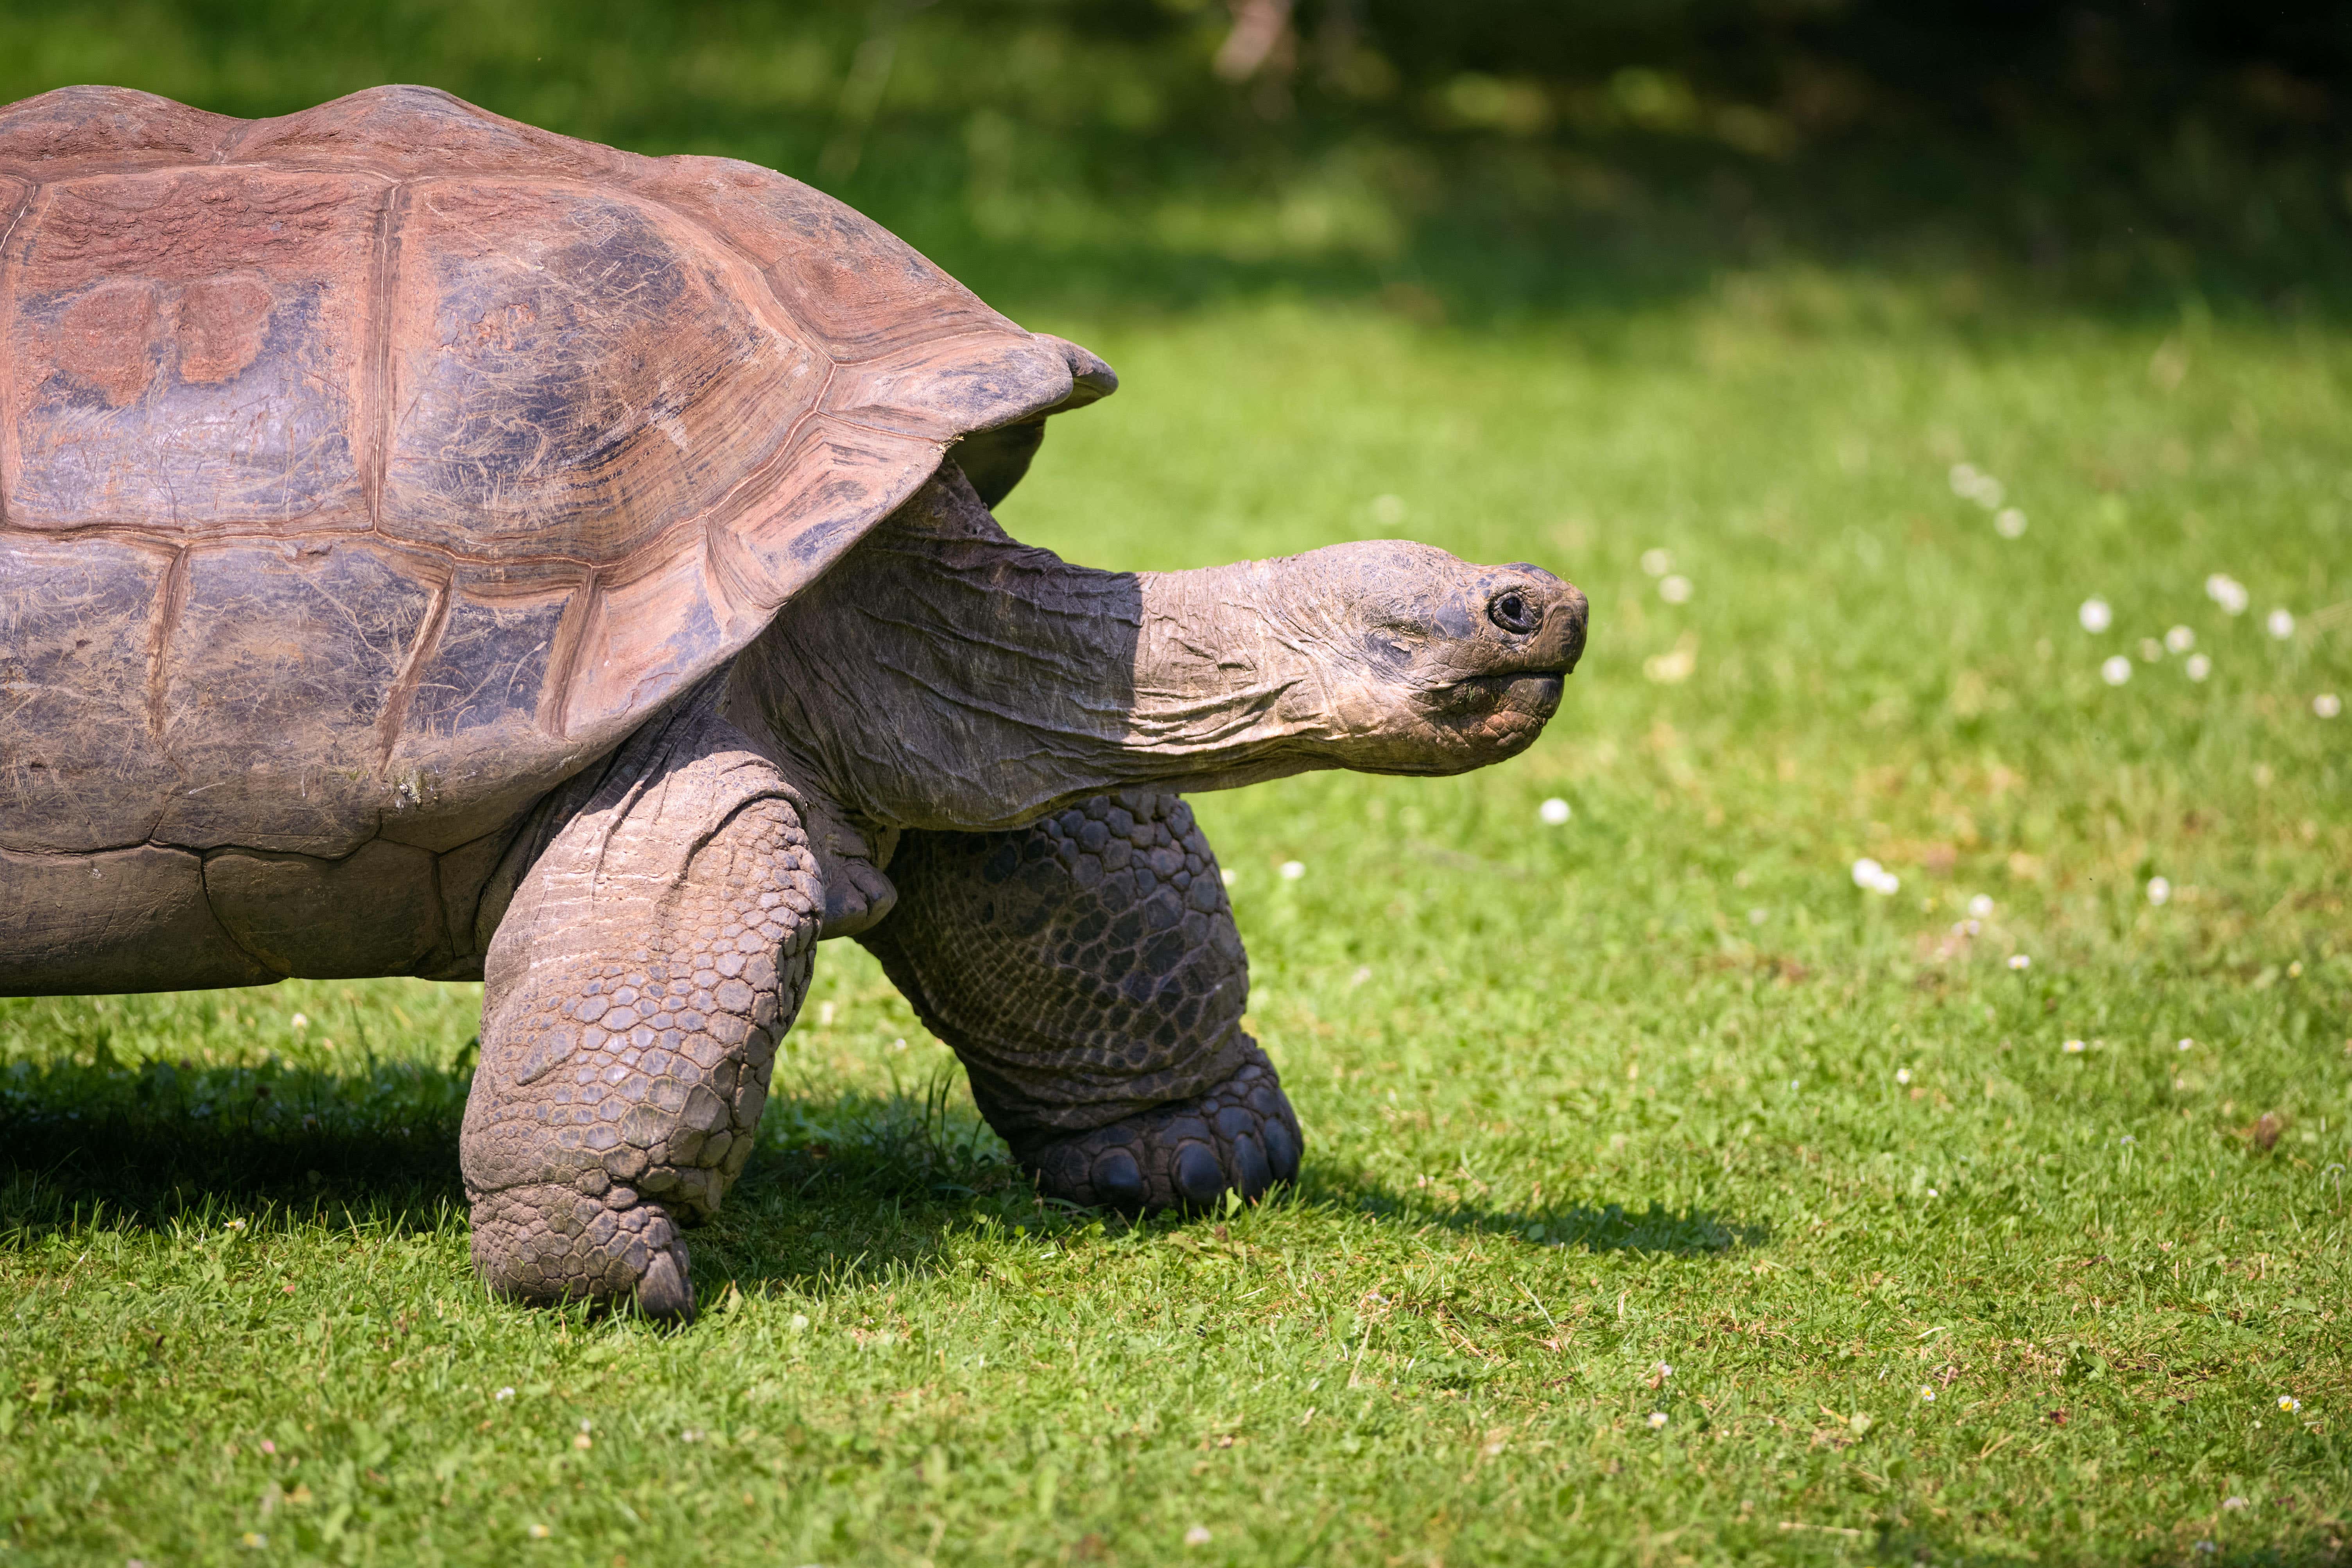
(404, 680)
(169, 599)
(570, 632)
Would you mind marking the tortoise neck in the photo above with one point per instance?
(945, 675)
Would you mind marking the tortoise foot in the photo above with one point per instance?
(553, 1244)
(1241, 1136)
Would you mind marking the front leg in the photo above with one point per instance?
(1088, 972)
(634, 993)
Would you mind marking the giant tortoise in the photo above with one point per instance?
(433, 546)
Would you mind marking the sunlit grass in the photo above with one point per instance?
(1656, 1084)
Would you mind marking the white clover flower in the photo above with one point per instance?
(2159, 891)
(1872, 876)
(2180, 639)
(2227, 592)
(1293, 869)
(2188, 1044)
(2116, 670)
(2096, 615)
(503, 1393)
(540, 1533)
(1963, 477)
(1657, 1419)
(2327, 705)
(2009, 522)
(1758, 916)
(2150, 650)
(1388, 510)
(1926, 1394)
(2280, 623)
(299, 1021)
(2198, 667)
(2019, 960)
(1554, 812)
(1934, 1193)
(2290, 1404)
(1980, 907)
(1902, 1075)
(1197, 1536)
(2073, 1047)
(1675, 590)
(2233, 1504)
(1663, 1371)
(1657, 562)
(1229, 876)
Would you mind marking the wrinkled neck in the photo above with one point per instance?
(944, 676)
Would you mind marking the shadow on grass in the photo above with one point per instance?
(149, 1142)
(1585, 1227)
(844, 1184)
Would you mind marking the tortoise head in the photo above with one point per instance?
(1384, 656)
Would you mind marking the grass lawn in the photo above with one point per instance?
(1669, 1197)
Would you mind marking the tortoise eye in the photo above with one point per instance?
(1511, 611)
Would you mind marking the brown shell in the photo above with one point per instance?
(375, 467)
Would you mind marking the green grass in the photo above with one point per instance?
(1580, 1101)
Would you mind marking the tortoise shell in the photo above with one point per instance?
(371, 469)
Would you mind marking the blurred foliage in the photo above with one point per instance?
(1473, 159)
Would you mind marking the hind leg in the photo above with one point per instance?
(1088, 972)
(639, 981)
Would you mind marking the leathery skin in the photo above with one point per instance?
(655, 953)
(1087, 971)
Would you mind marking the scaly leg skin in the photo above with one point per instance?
(1087, 971)
(652, 957)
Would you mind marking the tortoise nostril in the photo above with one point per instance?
(1514, 612)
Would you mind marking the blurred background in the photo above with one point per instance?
(1469, 160)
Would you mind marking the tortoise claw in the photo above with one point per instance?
(1242, 1136)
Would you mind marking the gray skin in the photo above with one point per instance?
(963, 752)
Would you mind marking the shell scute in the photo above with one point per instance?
(187, 344)
(486, 669)
(643, 639)
(575, 375)
(77, 771)
(280, 663)
(834, 483)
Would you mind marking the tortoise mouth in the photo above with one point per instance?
(1521, 693)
